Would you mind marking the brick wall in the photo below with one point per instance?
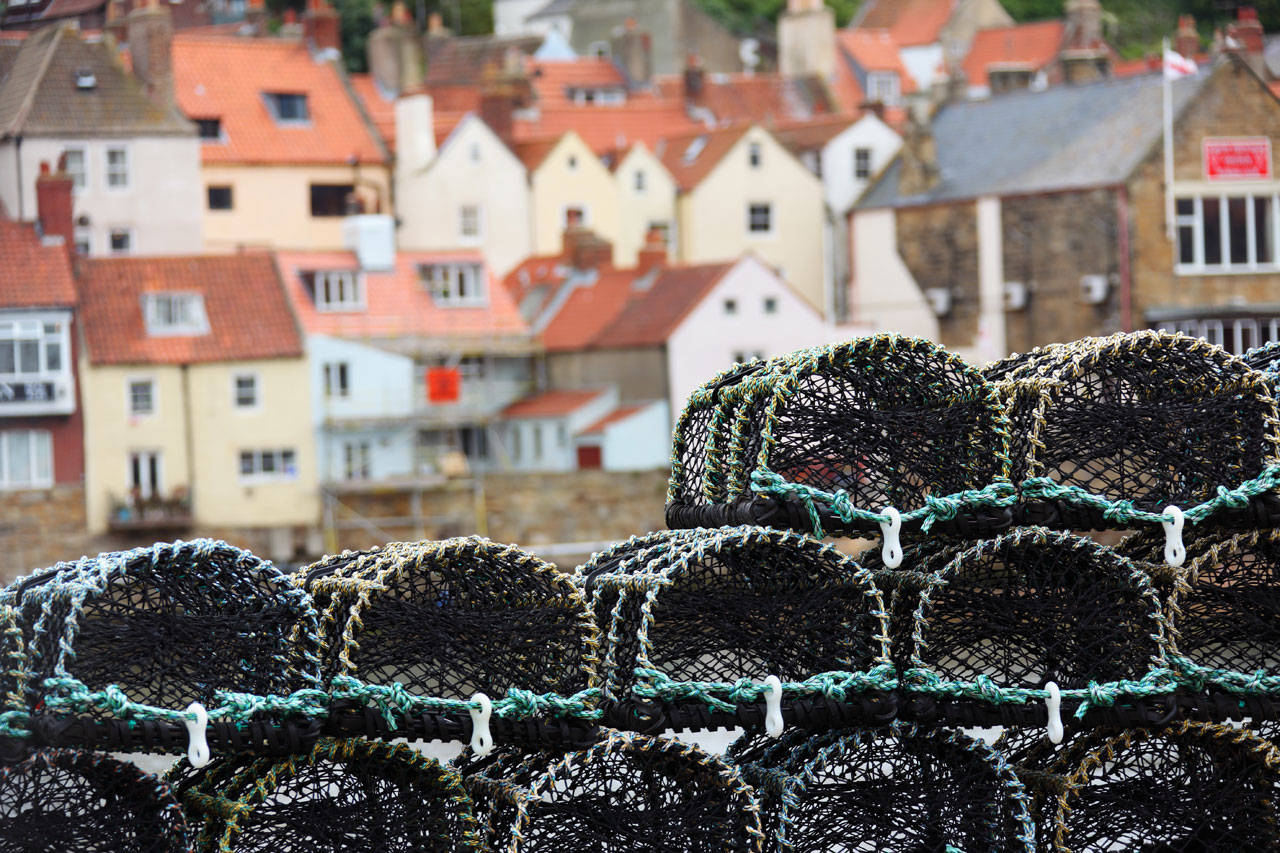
(939, 245)
(39, 527)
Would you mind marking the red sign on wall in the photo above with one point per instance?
(444, 384)
(1247, 159)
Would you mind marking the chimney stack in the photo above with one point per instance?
(654, 253)
(1187, 41)
(394, 54)
(150, 32)
(54, 204)
(503, 91)
(415, 132)
(919, 171)
(583, 248)
(1084, 56)
(633, 50)
(1248, 31)
(807, 40)
(694, 76)
(320, 26)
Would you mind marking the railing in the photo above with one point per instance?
(151, 513)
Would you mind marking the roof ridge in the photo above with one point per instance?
(30, 98)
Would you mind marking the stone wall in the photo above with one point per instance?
(39, 527)
(939, 245)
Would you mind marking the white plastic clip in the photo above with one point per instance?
(891, 552)
(1053, 704)
(1174, 551)
(773, 706)
(481, 738)
(197, 735)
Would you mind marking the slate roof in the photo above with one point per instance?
(39, 96)
(248, 314)
(1066, 137)
(32, 275)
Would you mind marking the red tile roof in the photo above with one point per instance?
(605, 128)
(1027, 47)
(765, 98)
(596, 299)
(396, 302)
(912, 22)
(532, 153)
(619, 414)
(875, 50)
(650, 317)
(550, 404)
(689, 165)
(811, 135)
(32, 275)
(248, 314)
(380, 107)
(553, 79)
(226, 78)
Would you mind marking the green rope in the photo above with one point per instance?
(725, 696)
(13, 724)
(1157, 682)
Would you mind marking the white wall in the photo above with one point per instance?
(839, 178)
(884, 296)
(428, 201)
(163, 204)
(924, 63)
(991, 343)
(509, 15)
(556, 455)
(641, 442)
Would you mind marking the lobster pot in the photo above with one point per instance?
(994, 622)
(1265, 358)
(167, 625)
(14, 675)
(690, 617)
(892, 788)
(823, 439)
(1190, 786)
(628, 793)
(342, 795)
(66, 799)
(1108, 432)
(438, 622)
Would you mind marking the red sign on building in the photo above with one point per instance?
(1246, 159)
(444, 384)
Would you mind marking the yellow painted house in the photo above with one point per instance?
(284, 144)
(741, 192)
(568, 184)
(646, 201)
(195, 394)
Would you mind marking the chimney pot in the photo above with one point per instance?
(320, 26)
(654, 253)
(150, 34)
(54, 204)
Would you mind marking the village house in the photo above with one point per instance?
(193, 378)
(1037, 217)
(133, 159)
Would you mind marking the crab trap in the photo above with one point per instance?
(1188, 786)
(1141, 429)
(175, 647)
(876, 435)
(627, 793)
(743, 626)
(341, 795)
(461, 639)
(891, 788)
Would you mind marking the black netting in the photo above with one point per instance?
(627, 794)
(65, 800)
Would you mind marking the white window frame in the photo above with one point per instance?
(884, 86)
(640, 182)
(109, 172)
(477, 212)
(158, 490)
(350, 291)
(859, 154)
(256, 379)
(83, 237)
(33, 328)
(331, 374)
(474, 152)
(112, 232)
(755, 232)
(195, 324)
(357, 450)
(129, 382)
(770, 305)
(272, 102)
(1196, 222)
(755, 155)
(277, 454)
(39, 450)
(448, 284)
(82, 185)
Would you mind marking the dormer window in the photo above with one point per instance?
(335, 290)
(883, 87)
(210, 129)
(175, 314)
(287, 107)
(456, 285)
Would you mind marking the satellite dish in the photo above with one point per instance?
(749, 53)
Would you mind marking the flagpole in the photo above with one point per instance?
(1168, 139)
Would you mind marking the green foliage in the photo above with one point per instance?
(754, 16)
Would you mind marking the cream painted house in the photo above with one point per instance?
(742, 192)
(195, 393)
(472, 193)
(646, 201)
(568, 181)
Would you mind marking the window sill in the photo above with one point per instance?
(1182, 269)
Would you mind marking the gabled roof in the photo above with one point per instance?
(762, 97)
(249, 317)
(691, 157)
(606, 129)
(39, 95)
(32, 275)
(533, 152)
(553, 79)
(227, 77)
(380, 106)
(873, 50)
(912, 22)
(550, 404)
(1066, 137)
(1028, 47)
(813, 135)
(397, 303)
(651, 316)
(584, 301)
(616, 416)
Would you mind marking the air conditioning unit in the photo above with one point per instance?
(1016, 294)
(1093, 289)
(939, 300)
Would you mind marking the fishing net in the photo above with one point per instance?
(342, 795)
(691, 619)
(67, 799)
(412, 631)
(892, 788)
(823, 440)
(628, 793)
